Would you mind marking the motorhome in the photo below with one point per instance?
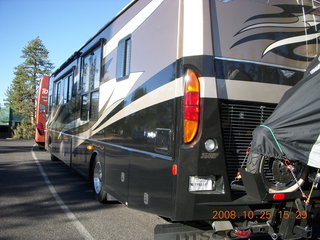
(158, 107)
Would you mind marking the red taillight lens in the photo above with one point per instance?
(243, 233)
(279, 196)
(191, 113)
(174, 170)
(191, 98)
(191, 105)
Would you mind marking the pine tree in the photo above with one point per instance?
(21, 94)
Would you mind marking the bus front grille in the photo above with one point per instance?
(238, 121)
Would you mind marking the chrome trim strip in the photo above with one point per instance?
(154, 155)
(260, 63)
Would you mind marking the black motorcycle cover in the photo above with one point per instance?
(293, 129)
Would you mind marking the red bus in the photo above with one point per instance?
(41, 111)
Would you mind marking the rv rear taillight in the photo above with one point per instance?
(279, 196)
(243, 233)
(191, 105)
(174, 170)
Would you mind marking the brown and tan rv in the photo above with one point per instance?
(158, 109)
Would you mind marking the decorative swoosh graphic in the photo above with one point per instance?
(118, 91)
(161, 94)
(302, 18)
(113, 92)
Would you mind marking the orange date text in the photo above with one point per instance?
(259, 214)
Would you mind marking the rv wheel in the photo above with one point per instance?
(53, 158)
(275, 174)
(97, 181)
(41, 146)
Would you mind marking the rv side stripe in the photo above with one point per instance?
(114, 145)
(208, 87)
(157, 96)
(192, 28)
(258, 92)
(259, 63)
(251, 71)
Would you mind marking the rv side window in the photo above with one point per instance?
(123, 62)
(43, 108)
(65, 90)
(85, 73)
(90, 84)
(84, 107)
(95, 69)
(68, 85)
(58, 92)
(94, 105)
(91, 70)
(70, 88)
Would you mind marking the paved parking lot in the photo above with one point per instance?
(41, 199)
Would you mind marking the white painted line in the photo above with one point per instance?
(73, 219)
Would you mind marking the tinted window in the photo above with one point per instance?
(127, 57)
(70, 86)
(91, 70)
(124, 55)
(58, 92)
(95, 69)
(94, 105)
(90, 84)
(43, 108)
(86, 73)
(84, 107)
(65, 87)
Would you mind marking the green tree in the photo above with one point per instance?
(21, 95)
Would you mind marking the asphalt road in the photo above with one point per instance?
(41, 199)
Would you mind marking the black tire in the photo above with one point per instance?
(98, 181)
(41, 146)
(54, 158)
(253, 162)
(275, 175)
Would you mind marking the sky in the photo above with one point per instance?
(62, 25)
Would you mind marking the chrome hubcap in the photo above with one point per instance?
(97, 178)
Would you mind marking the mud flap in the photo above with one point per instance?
(253, 184)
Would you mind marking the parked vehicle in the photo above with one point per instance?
(159, 106)
(41, 111)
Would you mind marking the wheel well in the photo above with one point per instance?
(93, 156)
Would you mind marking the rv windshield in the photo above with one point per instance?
(264, 41)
